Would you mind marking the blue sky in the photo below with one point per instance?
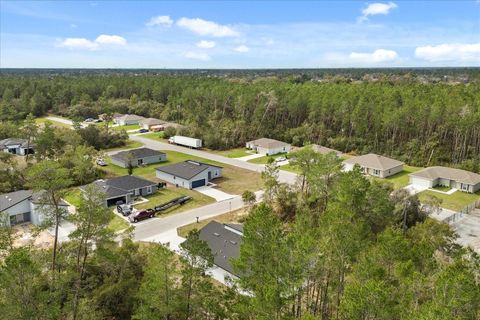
(239, 34)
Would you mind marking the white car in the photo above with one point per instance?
(280, 159)
(101, 162)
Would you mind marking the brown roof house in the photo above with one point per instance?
(430, 177)
(268, 146)
(375, 165)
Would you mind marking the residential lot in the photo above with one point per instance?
(456, 201)
(41, 121)
(401, 179)
(126, 128)
(234, 180)
(236, 216)
(231, 153)
(265, 159)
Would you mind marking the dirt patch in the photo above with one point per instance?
(25, 234)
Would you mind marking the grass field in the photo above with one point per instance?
(401, 179)
(264, 159)
(234, 180)
(456, 201)
(73, 197)
(236, 216)
(231, 153)
(117, 223)
(126, 128)
(167, 194)
(155, 136)
(289, 168)
(41, 121)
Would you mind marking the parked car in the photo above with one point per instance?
(125, 209)
(280, 159)
(98, 120)
(89, 120)
(141, 215)
(143, 130)
(101, 162)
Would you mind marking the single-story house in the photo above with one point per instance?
(25, 206)
(189, 174)
(128, 119)
(104, 117)
(324, 150)
(430, 177)
(268, 146)
(148, 123)
(124, 188)
(164, 126)
(138, 157)
(224, 240)
(17, 146)
(375, 165)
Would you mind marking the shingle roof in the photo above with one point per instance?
(8, 200)
(137, 154)
(185, 170)
(14, 141)
(120, 186)
(268, 143)
(458, 175)
(374, 161)
(152, 121)
(110, 191)
(224, 243)
(126, 117)
(324, 150)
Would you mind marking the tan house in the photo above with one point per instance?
(324, 150)
(375, 165)
(128, 119)
(268, 146)
(430, 177)
(148, 123)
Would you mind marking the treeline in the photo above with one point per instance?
(423, 124)
(334, 246)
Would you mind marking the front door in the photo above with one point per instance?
(140, 162)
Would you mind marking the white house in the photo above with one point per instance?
(430, 177)
(268, 146)
(189, 174)
(128, 119)
(148, 123)
(25, 206)
(17, 146)
(374, 165)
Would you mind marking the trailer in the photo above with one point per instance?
(177, 201)
(186, 141)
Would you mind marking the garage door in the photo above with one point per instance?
(113, 201)
(421, 182)
(198, 183)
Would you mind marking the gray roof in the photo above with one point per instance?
(8, 200)
(137, 154)
(130, 117)
(268, 143)
(224, 243)
(186, 169)
(374, 161)
(151, 121)
(14, 141)
(121, 186)
(458, 175)
(324, 150)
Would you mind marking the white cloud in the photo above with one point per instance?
(78, 43)
(377, 8)
(101, 40)
(159, 21)
(379, 55)
(111, 40)
(207, 28)
(73, 25)
(204, 44)
(449, 52)
(197, 56)
(242, 49)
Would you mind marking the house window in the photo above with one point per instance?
(464, 187)
(376, 172)
(149, 189)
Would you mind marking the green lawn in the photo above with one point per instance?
(73, 197)
(169, 193)
(289, 168)
(155, 136)
(42, 120)
(402, 179)
(234, 180)
(117, 223)
(264, 159)
(231, 153)
(126, 128)
(456, 201)
(130, 145)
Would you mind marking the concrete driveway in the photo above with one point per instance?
(214, 193)
(250, 157)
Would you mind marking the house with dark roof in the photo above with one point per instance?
(430, 177)
(17, 146)
(124, 188)
(374, 165)
(25, 206)
(189, 174)
(268, 146)
(224, 240)
(138, 157)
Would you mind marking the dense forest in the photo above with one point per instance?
(422, 123)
